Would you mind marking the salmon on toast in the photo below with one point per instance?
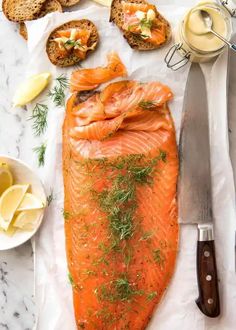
(120, 170)
(88, 79)
(71, 42)
(142, 25)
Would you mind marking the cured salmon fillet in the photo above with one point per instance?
(88, 79)
(120, 170)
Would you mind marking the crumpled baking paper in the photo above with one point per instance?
(177, 310)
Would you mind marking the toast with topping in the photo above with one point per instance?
(71, 42)
(142, 25)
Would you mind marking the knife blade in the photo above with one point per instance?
(194, 187)
(232, 118)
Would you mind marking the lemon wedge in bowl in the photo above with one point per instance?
(6, 178)
(9, 202)
(30, 202)
(27, 220)
(31, 88)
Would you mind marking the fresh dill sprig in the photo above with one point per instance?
(119, 201)
(62, 80)
(71, 280)
(89, 272)
(147, 105)
(123, 288)
(146, 236)
(106, 315)
(162, 156)
(151, 295)
(146, 24)
(40, 151)
(128, 256)
(141, 174)
(74, 43)
(57, 95)
(66, 214)
(118, 290)
(158, 257)
(39, 118)
(50, 198)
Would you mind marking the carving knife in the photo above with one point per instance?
(194, 187)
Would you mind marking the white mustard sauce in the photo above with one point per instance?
(196, 32)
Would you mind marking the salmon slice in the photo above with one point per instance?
(75, 40)
(120, 204)
(88, 79)
(117, 100)
(79, 34)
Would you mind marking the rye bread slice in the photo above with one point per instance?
(68, 3)
(72, 59)
(22, 10)
(49, 7)
(135, 41)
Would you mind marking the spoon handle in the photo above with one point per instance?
(232, 46)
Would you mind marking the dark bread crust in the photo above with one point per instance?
(23, 30)
(72, 59)
(22, 10)
(49, 7)
(135, 41)
(68, 3)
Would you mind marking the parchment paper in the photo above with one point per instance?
(177, 310)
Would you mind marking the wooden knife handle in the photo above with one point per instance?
(208, 300)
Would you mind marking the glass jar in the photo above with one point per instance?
(183, 51)
(230, 5)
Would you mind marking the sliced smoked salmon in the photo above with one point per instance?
(72, 40)
(88, 79)
(120, 169)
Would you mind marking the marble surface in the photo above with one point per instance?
(16, 266)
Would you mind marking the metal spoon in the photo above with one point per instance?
(208, 24)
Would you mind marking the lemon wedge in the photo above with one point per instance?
(27, 220)
(30, 202)
(31, 88)
(6, 178)
(9, 202)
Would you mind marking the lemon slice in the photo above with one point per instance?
(30, 202)
(9, 202)
(27, 220)
(31, 88)
(10, 231)
(6, 178)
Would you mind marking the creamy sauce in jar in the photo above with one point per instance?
(197, 34)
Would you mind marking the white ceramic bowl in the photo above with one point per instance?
(22, 174)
